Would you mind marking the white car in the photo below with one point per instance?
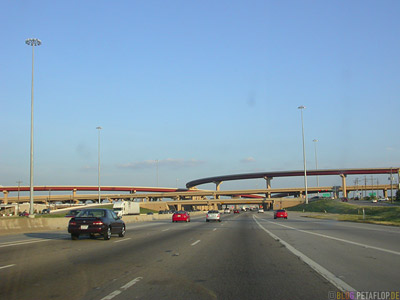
(260, 210)
(213, 215)
(227, 211)
(374, 201)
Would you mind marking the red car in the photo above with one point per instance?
(280, 213)
(181, 216)
(236, 211)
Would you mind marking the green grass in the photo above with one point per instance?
(146, 210)
(351, 212)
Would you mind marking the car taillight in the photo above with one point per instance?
(98, 223)
(73, 223)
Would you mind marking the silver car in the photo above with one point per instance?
(213, 215)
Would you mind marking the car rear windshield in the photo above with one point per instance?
(180, 212)
(91, 214)
(213, 212)
(281, 210)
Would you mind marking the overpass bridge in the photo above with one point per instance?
(147, 194)
(268, 176)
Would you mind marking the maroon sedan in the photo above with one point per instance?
(280, 213)
(96, 221)
(181, 216)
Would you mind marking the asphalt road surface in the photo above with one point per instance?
(246, 256)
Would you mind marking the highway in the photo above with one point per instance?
(246, 256)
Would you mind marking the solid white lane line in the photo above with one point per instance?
(165, 229)
(338, 239)
(17, 243)
(214, 229)
(340, 284)
(122, 240)
(195, 243)
(347, 225)
(8, 266)
(124, 287)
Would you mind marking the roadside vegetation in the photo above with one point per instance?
(334, 209)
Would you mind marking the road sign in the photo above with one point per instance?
(326, 194)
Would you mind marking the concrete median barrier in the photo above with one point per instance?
(27, 225)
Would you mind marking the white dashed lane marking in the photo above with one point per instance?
(195, 243)
(122, 288)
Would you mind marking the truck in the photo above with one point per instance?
(122, 208)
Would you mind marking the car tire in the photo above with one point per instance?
(74, 236)
(286, 218)
(219, 220)
(92, 236)
(107, 234)
(274, 217)
(207, 220)
(122, 233)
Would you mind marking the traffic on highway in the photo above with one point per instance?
(246, 255)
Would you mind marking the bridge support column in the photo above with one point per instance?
(344, 188)
(217, 185)
(268, 182)
(5, 197)
(385, 193)
(73, 196)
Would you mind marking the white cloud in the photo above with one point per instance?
(169, 162)
(248, 160)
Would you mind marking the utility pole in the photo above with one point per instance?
(372, 186)
(365, 186)
(19, 185)
(391, 185)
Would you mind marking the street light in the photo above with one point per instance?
(304, 153)
(32, 42)
(316, 160)
(98, 167)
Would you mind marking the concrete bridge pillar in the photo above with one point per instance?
(5, 192)
(344, 188)
(217, 185)
(385, 193)
(268, 182)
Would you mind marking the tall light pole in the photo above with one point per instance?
(32, 42)
(316, 160)
(304, 153)
(98, 166)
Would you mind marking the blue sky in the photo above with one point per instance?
(205, 88)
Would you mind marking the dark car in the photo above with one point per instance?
(96, 221)
(72, 213)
